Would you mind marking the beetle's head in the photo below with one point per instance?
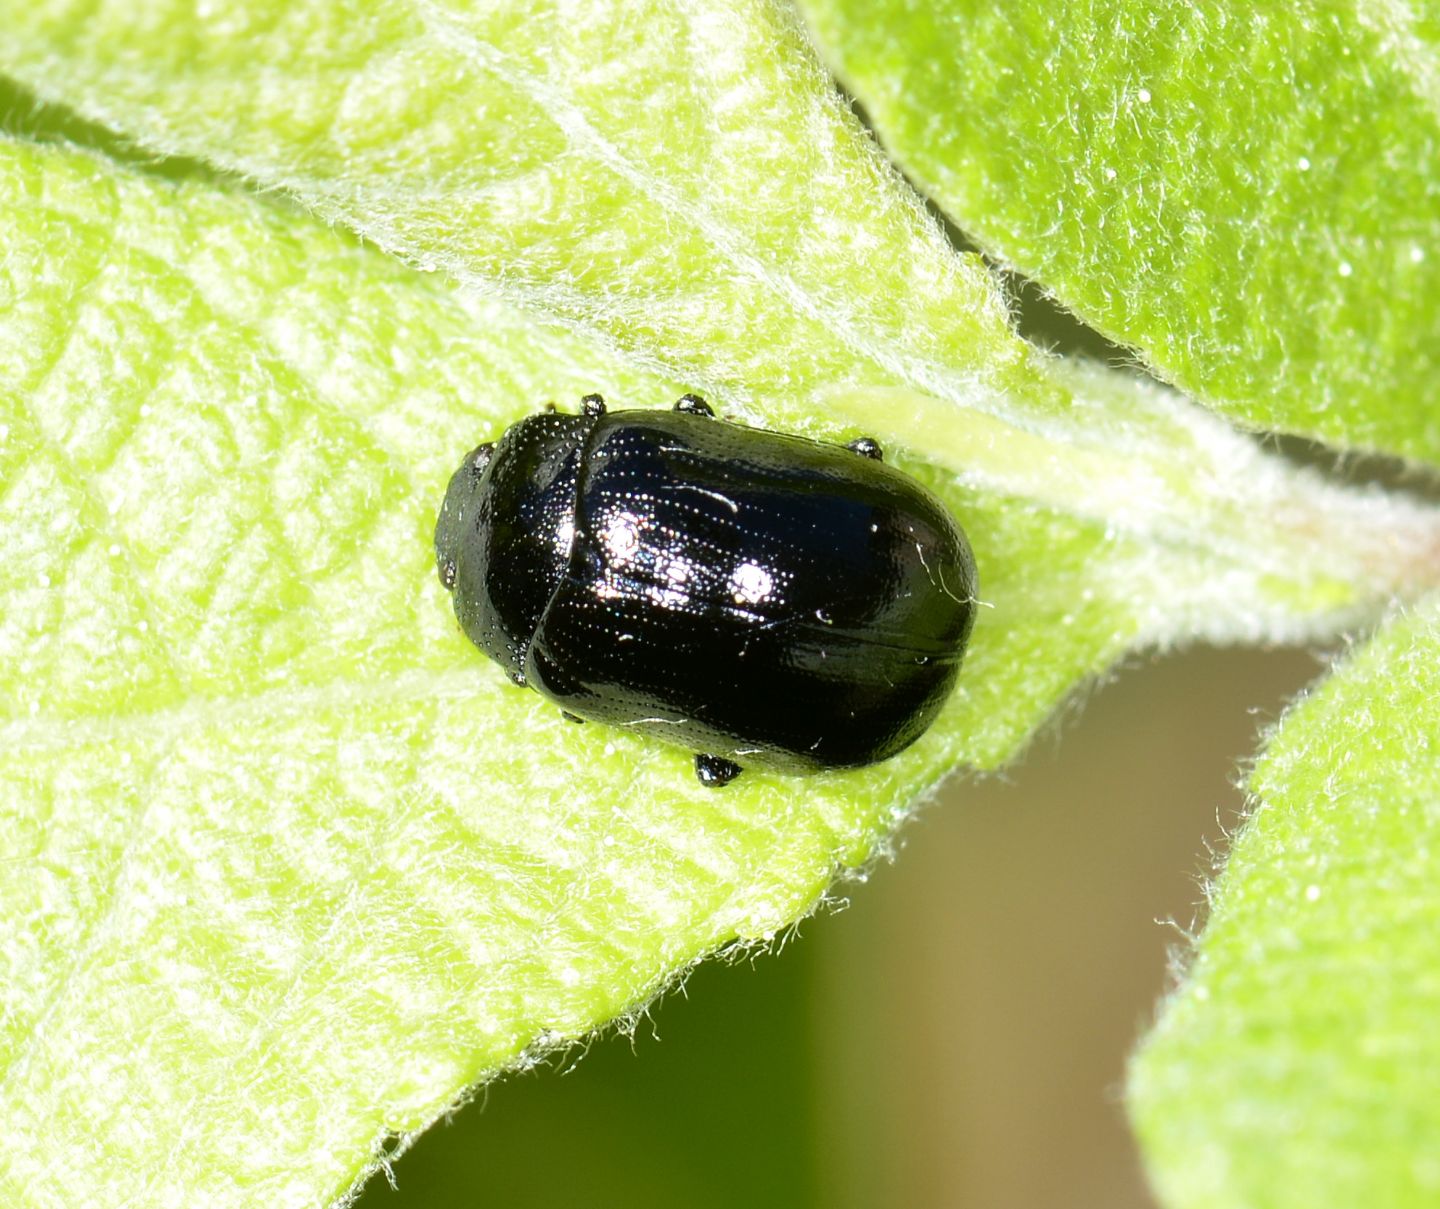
(460, 498)
(504, 532)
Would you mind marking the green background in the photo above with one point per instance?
(954, 1039)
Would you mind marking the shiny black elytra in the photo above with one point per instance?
(758, 598)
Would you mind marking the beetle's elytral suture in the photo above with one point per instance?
(749, 595)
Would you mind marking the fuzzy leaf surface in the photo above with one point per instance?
(682, 181)
(288, 867)
(1297, 1064)
(1247, 194)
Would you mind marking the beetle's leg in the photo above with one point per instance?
(715, 771)
(592, 405)
(867, 447)
(569, 717)
(518, 679)
(694, 405)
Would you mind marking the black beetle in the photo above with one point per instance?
(752, 596)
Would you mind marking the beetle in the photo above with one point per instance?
(756, 597)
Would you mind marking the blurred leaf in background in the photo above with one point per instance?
(1297, 1064)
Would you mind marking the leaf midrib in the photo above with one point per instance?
(47, 733)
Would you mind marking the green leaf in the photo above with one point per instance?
(689, 188)
(682, 179)
(1297, 1065)
(1248, 194)
(288, 867)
